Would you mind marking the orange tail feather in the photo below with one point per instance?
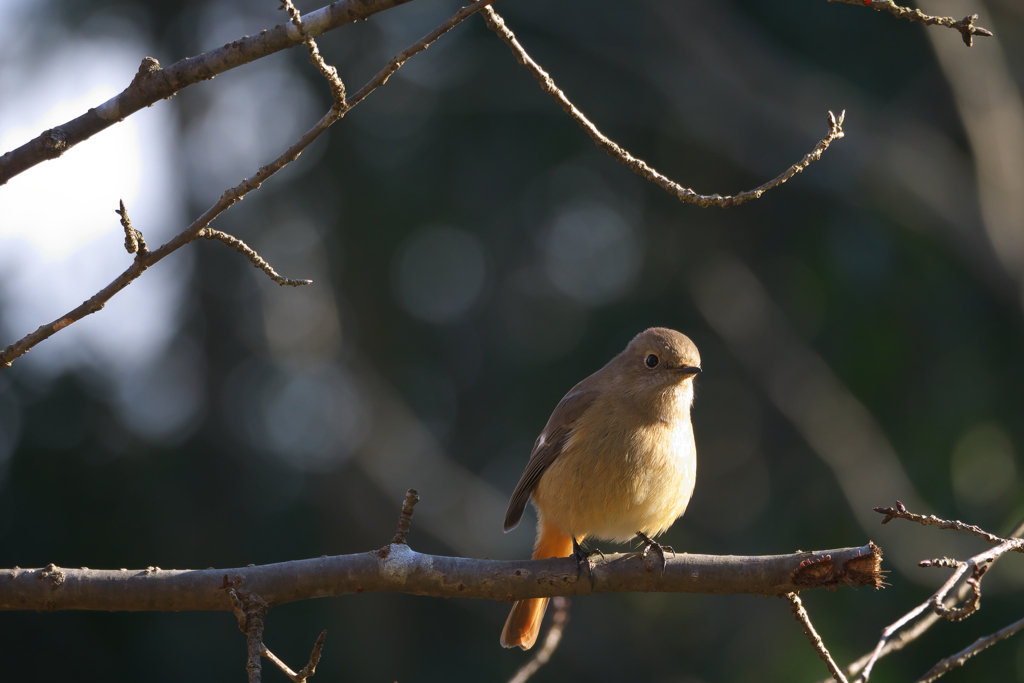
(523, 623)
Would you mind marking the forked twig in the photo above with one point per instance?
(638, 166)
(939, 605)
(153, 83)
(327, 71)
(245, 625)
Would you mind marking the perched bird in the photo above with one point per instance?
(615, 461)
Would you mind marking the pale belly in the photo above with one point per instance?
(619, 486)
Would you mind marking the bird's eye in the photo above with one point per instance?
(651, 361)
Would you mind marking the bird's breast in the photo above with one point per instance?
(616, 476)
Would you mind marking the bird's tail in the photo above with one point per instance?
(523, 623)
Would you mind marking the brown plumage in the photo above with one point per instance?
(616, 457)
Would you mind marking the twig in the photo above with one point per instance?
(800, 614)
(134, 242)
(153, 84)
(901, 512)
(412, 497)
(638, 166)
(908, 635)
(327, 71)
(398, 569)
(937, 603)
(235, 194)
(250, 611)
(243, 620)
(551, 641)
(308, 670)
(960, 658)
(419, 46)
(965, 26)
(244, 249)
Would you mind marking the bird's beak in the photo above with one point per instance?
(689, 370)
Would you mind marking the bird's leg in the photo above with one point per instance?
(582, 557)
(651, 544)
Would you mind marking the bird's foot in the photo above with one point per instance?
(650, 544)
(582, 558)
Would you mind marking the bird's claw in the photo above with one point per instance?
(582, 558)
(650, 544)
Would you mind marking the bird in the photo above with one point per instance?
(616, 461)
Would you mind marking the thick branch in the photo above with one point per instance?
(398, 569)
(153, 84)
(638, 166)
(966, 25)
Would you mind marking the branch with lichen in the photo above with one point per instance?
(197, 229)
(639, 166)
(965, 26)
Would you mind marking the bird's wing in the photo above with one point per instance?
(548, 447)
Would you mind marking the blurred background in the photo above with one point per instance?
(473, 257)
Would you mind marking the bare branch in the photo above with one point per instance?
(938, 603)
(235, 194)
(153, 84)
(412, 497)
(244, 249)
(551, 641)
(905, 636)
(931, 520)
(800, 614)
(638, 166)
(965, 26)
(398, 569)
(960, 658)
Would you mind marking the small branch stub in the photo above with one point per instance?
(134, 242)
(412, 497)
